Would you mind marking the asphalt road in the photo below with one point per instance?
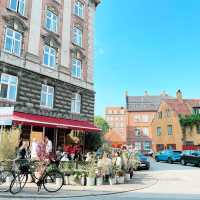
(176, 182)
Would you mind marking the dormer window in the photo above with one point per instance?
(196, 110)
(18, 6)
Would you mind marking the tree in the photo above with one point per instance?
(95, 140)
(101, 123)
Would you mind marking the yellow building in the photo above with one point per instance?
(167, 131)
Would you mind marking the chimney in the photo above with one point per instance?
(146, 93)
(179, 95)
(163, 93)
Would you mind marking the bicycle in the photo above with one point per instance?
(52, 179)
(6, 175)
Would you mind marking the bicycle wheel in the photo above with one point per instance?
(18, 183)
(53, 181)
(5, 180)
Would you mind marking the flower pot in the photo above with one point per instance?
(83, 181)
(66, 180)
(113, 181)
(127, 177)
(99, 180)
(90, 181)
(58, 181)
(120, 179)
(72, 180)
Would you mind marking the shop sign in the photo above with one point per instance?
(6, 114)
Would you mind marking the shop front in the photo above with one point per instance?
(62, 132)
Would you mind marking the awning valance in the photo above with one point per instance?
(38, 120)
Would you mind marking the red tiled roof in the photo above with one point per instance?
(113, 137)
(184, 106)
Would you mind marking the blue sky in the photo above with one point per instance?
(151, 45)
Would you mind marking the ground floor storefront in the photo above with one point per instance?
(61, 132)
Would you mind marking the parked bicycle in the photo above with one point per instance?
(51, 179)
(7, 174)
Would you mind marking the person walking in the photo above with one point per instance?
(49, 146)
(34, 149)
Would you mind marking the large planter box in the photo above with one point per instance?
(113, 181)
(90, 181)
(120, 179)
(99, 180)
(127, 177)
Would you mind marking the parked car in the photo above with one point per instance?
(149, 153)
(192, 157)
(169, 156)
(144, 161)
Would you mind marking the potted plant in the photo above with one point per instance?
(67, 168)
(112, 177)
(91, 173)
(99, 176)
(78, 177)
(120, 177)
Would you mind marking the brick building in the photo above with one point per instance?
(167, 131)
(141, 111)
(117, 120)
(46, 65)
(133, 123)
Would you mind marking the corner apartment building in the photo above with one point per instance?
(167, 131)
(46, 65)
(140, 113)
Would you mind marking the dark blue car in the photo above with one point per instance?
(169, 156)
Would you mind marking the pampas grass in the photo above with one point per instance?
(9, 141)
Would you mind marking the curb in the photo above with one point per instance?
(67, 196)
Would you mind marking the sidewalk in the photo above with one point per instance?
(141, 180)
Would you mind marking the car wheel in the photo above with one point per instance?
(183, 162)
(170, 161)
(156, 158)
(147, 168)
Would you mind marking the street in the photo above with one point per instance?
(175, 182)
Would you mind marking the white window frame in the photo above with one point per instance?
(145, 131)
(77, 68)
(76, 103)
(50, 54)
(10, 84)
(78, 9)
(137, 132)
(47, 93)
(170, 133)
(53, 22)
(78, 36)
(138, 145)
(18, 8)
(145, 146)
(159, 133)
(14, 40)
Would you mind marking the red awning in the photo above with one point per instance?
(38, 120)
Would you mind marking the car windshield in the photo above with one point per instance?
(177, 152)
